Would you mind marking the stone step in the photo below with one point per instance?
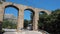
(33, 32)
(26, 32)
(13, 31)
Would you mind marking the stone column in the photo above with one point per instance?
(35, 21)
(20, 20)
(1, 17)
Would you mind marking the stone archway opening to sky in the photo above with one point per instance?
(10, 17)
(28, 19)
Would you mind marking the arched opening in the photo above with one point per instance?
(10, 17)
(28, 19)
(42, 13)
(41, 21)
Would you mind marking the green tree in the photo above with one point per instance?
(51, 23)
(9, 24)
(25, 23)
(42, 19)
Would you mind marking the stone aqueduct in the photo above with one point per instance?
(21, 9)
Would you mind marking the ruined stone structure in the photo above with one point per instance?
(21, 9)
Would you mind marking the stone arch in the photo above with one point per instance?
(30, 10)
(41, 18)
(12, 6)
(43, 12)
(33, 13)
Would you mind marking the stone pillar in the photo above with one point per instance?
(35, 21)
(1, 17)
(20, 20)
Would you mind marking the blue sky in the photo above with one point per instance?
(43, 4)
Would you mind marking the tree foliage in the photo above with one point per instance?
(25, 23)
(8, 24)
(51, 23)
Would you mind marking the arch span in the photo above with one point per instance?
(32, 13)
(43, 12)
(12, 6)
(30, 10)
